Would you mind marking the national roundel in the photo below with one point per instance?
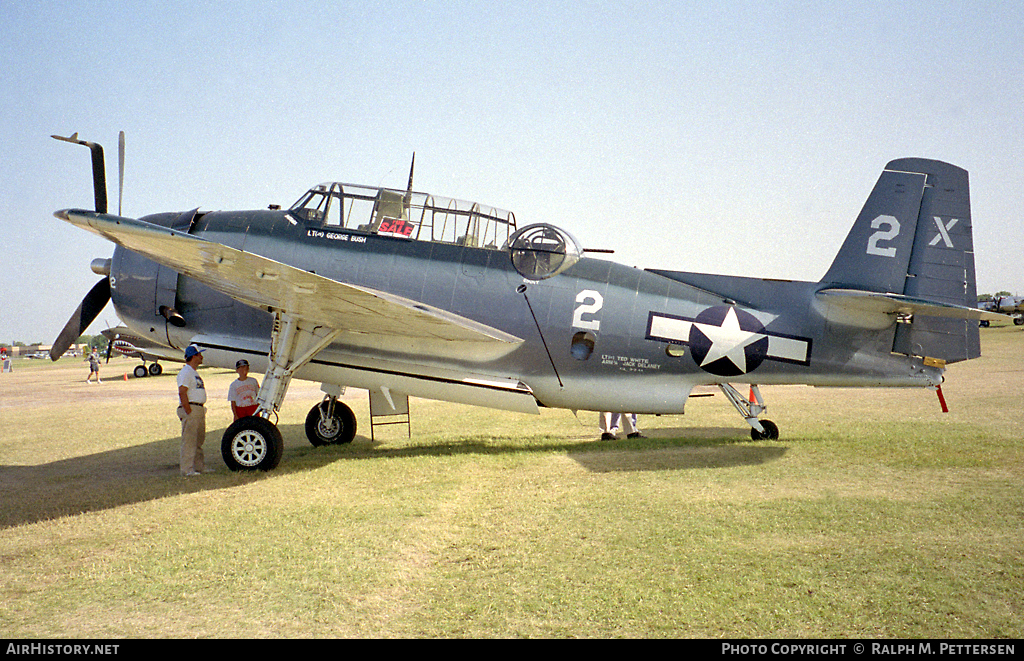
(727, 341)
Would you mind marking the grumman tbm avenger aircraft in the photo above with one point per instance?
(402, 293)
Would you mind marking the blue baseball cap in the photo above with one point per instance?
(192, 350)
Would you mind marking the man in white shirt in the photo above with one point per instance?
(243, 391)
(192, 412)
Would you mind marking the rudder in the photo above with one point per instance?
(941, 264)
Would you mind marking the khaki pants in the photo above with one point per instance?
(193, 433)
(604, 422)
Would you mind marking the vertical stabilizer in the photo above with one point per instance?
(913, 238)
(876, 253)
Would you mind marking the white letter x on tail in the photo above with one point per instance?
(943, 234)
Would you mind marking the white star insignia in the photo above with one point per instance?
(728, 341)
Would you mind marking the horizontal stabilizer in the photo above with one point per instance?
(873, 305)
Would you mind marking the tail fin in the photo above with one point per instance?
(913, 241)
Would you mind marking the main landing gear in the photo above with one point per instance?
(142, 371)
(750, 408)
(255, 443)
(330, 422)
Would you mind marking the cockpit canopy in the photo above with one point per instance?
(398, 213)
(537, 251)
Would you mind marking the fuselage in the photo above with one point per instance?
(598, 336)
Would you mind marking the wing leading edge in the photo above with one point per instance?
(366, 316)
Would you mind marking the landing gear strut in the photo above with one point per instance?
(255, 443)
(750, 408)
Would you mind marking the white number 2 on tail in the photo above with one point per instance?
(591, 303)
(892, 231)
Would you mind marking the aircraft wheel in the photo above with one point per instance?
(155, 369)
(1018, 321)
(771, 431)
(140, 371)
(339, 428)
(252, 444)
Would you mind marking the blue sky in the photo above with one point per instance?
(738, 138)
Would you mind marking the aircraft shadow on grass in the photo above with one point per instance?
(105, 480)
(683, 449)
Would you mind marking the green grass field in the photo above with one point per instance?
(874, 515)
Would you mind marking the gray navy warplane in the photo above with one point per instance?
(1008, 305)
(403, 293)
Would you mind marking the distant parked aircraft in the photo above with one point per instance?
(1012, 305)
(125, 342)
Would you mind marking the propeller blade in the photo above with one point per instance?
(90, 308)
(99, 170)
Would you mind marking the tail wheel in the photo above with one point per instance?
(252, 444)
(771, 431)
(329, 425)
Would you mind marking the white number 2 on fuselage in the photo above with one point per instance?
(590, 303)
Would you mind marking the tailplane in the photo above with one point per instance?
(911, 254)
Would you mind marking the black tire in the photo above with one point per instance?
(140, 371)
(1018, 321)
(339, 428)
(771, 431)
(155, 369)
(251, 444)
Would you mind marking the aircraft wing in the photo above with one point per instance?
(154, 354)
(366, 316)
(151, 354)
